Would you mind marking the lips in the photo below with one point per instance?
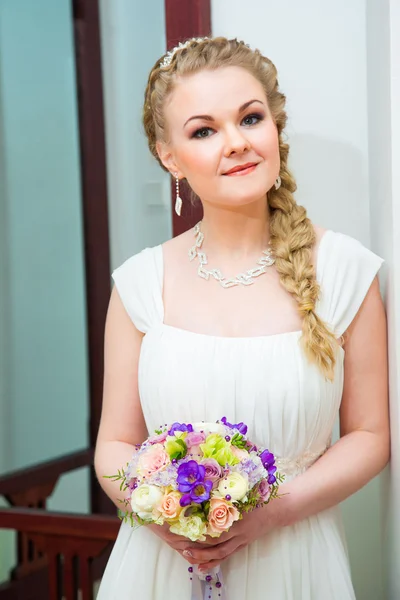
(240, 168)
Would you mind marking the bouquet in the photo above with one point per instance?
(199, 479)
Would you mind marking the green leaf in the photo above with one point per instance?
(239, 441)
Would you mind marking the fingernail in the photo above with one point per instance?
(187, 553)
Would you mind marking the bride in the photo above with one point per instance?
(196, 329)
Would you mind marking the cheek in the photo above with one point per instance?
(199, 159)
(267, 142)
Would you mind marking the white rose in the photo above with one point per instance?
(209, 428)
(192, 527)
(234, 485)
(144, 499)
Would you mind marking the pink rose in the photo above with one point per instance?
(214, 471)
(239, 453)
(195, 439)
(154, 459)
(265, 490)
(195, 453)
(158, 439)
(169, 506)
(221, 516)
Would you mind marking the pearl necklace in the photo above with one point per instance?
(246, 278)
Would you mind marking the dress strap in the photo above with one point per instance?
(345, 272)
(139, 284)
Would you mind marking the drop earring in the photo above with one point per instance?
(278, 182)
(178, 201)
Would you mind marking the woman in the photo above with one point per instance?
(284, 349)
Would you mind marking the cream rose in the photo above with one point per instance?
(234, 485)
(169, 506)
(221, 516)
(239, 453)
(192, 527)
(144, 501)
(154, 459)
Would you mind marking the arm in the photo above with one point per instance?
(364, 447)
(122, 423)
(360, 454)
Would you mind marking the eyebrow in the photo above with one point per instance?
(209, 118)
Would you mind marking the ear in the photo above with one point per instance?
(167, 158)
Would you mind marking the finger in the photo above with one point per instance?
(214, 563)
(178, 539)
(205, 555)
(214, 541)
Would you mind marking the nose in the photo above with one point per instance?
(235, 142)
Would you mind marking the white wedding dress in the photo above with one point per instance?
(289, 408)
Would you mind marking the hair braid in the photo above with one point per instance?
(293, 239)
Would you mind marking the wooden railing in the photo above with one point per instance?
(59, 555)
(65, 545)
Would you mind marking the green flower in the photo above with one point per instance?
(175, 447)
(182, 435)
(218, 448)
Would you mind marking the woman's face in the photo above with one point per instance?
(218, 121)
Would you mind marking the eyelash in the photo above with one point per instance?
(257, 116)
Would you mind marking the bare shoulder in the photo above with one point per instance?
(177, 247)
(319, 234)
(175, 252)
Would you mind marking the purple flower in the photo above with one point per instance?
(268, 460)
(199, 493)
(241, 427)
(189, 475)
(180, 427)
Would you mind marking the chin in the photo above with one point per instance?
(248, 197)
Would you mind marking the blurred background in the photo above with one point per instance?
(80, 193)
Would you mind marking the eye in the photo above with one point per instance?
(204, 132)
(252, 119)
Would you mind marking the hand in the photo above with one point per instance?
(210, 554)
(181, 544)
(176, 542)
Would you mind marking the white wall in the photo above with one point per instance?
(383, 44)
(320, 50)
(133, 37)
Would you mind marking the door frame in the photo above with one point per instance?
(183, 19)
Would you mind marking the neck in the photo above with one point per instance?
(238, 233)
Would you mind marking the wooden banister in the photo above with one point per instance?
(66, 545)
(34, 521)
(41, 535)
(43, 474)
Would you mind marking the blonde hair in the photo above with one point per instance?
(292, 233)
